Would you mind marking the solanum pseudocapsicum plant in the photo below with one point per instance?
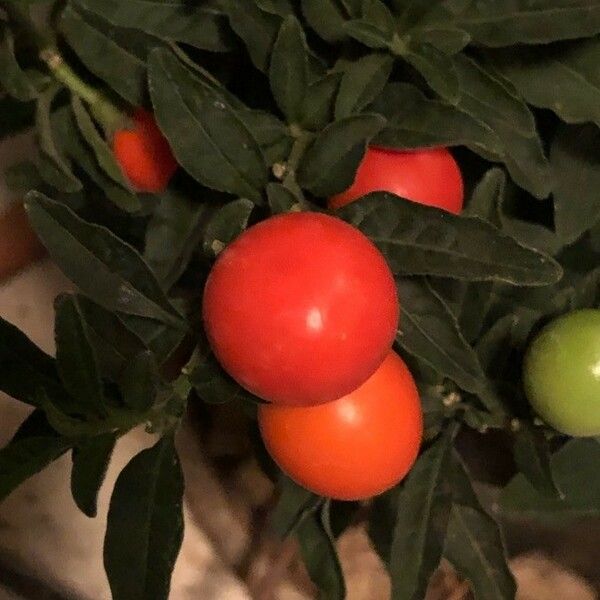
(268, 106)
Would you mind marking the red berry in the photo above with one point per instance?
(144, 154)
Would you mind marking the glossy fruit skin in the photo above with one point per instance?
(301, 309)
(144, 154)
(19, 245)
(355, 447)
(429, 176)
(561, 373)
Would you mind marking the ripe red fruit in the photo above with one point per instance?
(429, 176)
(301, 309)
(144, 154)
(354, 447)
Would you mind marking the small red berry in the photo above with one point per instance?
(144, 154)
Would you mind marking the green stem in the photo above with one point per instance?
(301, 143)
(103, 109)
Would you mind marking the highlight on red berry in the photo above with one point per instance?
(355, 447)
(301, 309)
(144, 154)
(429, 176)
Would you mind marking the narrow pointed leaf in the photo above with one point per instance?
(145, 525)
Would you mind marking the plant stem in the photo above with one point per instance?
(103, 109)
(301, 143)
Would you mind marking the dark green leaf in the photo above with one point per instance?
(75, 357)
(293, 505)
(257, 28)
(561, 77)
(283, 8)
(429, 331)
(382, 518)
(23, 366)
(104, 267)
(379, 15)
(487, 97)
(288, 73)
(320, 557)
(281, 199)
(532, 456)
(446, 38)
(23, 177)
(225, 225)
(102, 151)
(424, 506)
(422, 240)
(575, 158)
(139, 382)
(90, 463)
(575, 467)
(270, 133)
(173, 233)
(361, 83)
(317, 110)
(329, 165)
(116, 55)
(208, 138)
(367, 33)
(326, 17)
(200, 25)
(475, 548)
(436, 67)
(487, 196)
(55, 168)
(114, 345)
(34, 447)
(145, 525)
(415, 121)
(73, 144)
(22, 85)
(508, 22)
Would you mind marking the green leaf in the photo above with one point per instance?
(270, 133)
(104, 267)
(367, 33)
(257, 28)
(23, 366)
(561, 77)
(421, 240)
(429, 331)
(208, 137)
(318, 551)
(379, 15)
(66, 128)
(201, 25)
(281, 199)
(212, 384)
(90, 463)
(288, 73)
(487, 195)
(446, 38)
(225, 225)
(326, 17)
(487, 97)
(424, 506)
(102, 151)
(575, 468)
(382, 517)
(436, 67)
(317, 109)
(54, 167)
(329, 165)
(114, 345)
(475, 548)
(22, 85)
(145, 525)
(76, 359)
(415, 121)
(293, 505)
(532, 457)
(575, 158)
(118, 56)
(361, 83)
(139, 382)
(172, 235)
(32, 449)
(509, 22)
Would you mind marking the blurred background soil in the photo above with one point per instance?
(50, 551)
